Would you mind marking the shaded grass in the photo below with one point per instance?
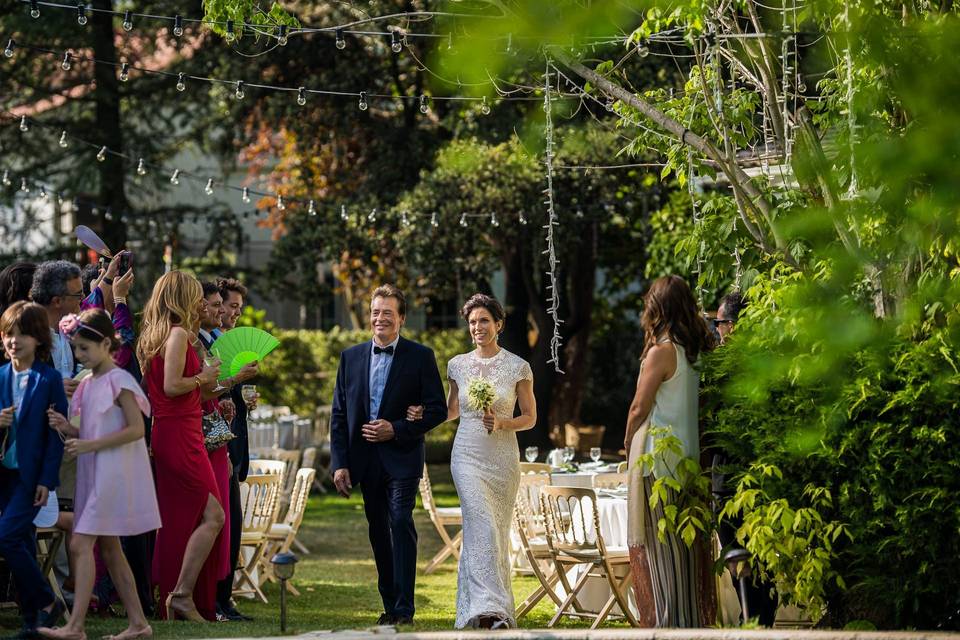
(338, 580)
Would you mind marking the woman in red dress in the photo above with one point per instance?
(186, 562)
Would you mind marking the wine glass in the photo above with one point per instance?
(568, 454)
(212, 361)
(248, 392)
(531, 453)
(595, 454)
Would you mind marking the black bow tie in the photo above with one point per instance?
(378, 350)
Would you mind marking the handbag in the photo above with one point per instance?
(216, 431)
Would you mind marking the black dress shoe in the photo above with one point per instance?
(385, 619)
(51, 618)
(403, 620)
(235, 616)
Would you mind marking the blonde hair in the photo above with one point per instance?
(175, 301)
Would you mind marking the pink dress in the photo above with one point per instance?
(115, 493)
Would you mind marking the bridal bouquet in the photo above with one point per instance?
(480, 394)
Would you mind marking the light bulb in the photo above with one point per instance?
(175, 177)
(404, 220)
(282, 36)
(579, 213)
(177, 26)
(124, 72)
(493, 220)
(373, 215)
(141, 168)
(608, 105)
(181, 85)
(34, 9)
(311, 209)
(239, 92)
(43, 193)
(65, 65)
(343, 213)
(230, 35)
(6, 178)
(23, 185)
(363, 101)
(523, 218)
(433, 220)
(81, 14)
(209, 188)
(643, 51)
(11, 45)
(484, 107)
(341, 43)
(801, 85)
(24, 125)
(127, 21)
(301, 96)
(463, 220)
(280, 204)
(395, 43)
(102, 154)
(246, 196)
(424, 105)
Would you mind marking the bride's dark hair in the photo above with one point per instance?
(483, 301)
(670, 309)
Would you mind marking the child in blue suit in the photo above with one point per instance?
(31, 454)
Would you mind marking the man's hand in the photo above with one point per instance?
(341, 480)
(228, 410)
(6, 417)
(69, 386)
(247, 371)
(378, 431)
(121, 286)
(415, 413)
(41, 495)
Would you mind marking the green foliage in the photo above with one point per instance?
(253, 317)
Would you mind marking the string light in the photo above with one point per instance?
(362, 104)
(6, 178)
(404, 219)
(493, 220)
(11, 45)
(175, 177)
(127, 21)
(433, 220)
(280, 204)
(302, 96)
(81, 14)
(34, 9)
(373, 215)
(643, 51)
(312, 209)
(124, 72)
(463, 220)
(484, 107)
(23, 185)
(246, 195)
(43, 193)
(24, 125)
(340, 42)
(424, 106)
(177, 26)
(554, 299)
(141, 169)
(523, 218)
(102, 154)
(343, 213)
(395, 43)
(239, 92)
(282, 35)
(209, 188)
(65, 65)
(181, 85)
(230, 35)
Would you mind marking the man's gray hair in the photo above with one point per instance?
(50, 280)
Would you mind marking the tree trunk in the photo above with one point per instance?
(107, 97)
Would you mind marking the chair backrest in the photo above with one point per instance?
(291, 460)
(609, 480)
(426, 494)
(623, 467)
(264, 466)
(321, 425)
(527, 509)
(309, 458)
(572, 519)
(534, 467)
(298, 499)
(260, 502)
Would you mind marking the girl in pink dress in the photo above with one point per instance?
(111, 499)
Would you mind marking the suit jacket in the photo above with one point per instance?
(413, 380)
(39, 448)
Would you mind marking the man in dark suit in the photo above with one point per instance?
(373, 445)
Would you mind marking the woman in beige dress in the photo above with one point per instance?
(666, 574)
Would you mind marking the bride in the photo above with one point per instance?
(486, 464)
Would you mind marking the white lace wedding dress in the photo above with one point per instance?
(486, 472)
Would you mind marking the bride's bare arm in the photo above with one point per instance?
(453, 401)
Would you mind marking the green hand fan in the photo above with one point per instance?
(241, 346)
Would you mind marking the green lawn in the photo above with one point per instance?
(337, 580)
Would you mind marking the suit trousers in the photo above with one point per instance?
(18, 544)
(388, 503)
(225, 586)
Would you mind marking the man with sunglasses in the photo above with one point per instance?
(728, 314)
(58, 289)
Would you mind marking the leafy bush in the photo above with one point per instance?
(302, 371)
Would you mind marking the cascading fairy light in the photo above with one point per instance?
(554, 299)
(698, 225)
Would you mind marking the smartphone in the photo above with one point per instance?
(126, 262)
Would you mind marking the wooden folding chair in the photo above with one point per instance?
(534, 467)
(260, 503)
(282, 535)
(609, 480)
(49, 540)
(321, 439)
(442, 517)
(530, 529)
(623, 467)
(574, 537)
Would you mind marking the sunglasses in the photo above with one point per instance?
(717, 322)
